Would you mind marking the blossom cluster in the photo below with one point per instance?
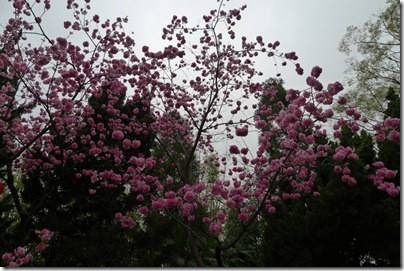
(19, 257)
(22, 256)
(78, 90)
(45, 235)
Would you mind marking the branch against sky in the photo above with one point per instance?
(94, 104)
(378, 66)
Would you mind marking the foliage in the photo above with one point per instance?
(378, 69)
(341, 228)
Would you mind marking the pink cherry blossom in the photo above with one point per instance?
(242, 132)
(243, 216)
(8, 257)
(394, 136)
(234, 149)
(143, 210)
(215, 227)
(126, 144)
(316, 71)
(189, 196)
(135, 144)
(158, 204)
(117, 134)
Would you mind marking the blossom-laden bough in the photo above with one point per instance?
(65, 102)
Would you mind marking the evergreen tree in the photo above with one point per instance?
(339, 228)
(88, 232)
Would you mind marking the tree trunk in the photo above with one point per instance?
(194, 250)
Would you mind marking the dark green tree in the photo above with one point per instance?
(88, 234)
(341, 228)
(389, 151)
(378, 69)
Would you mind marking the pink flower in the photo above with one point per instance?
(62, 42)
(117, 135)
(135, 144)
(394, 136)
(316, 194)
(159, 204)
(67, 24)
(215, 227)
(337, 169)
(18, 4)
(45, 235)
(311, 81)
(342, 100)
(41, 247)
(220, 215)
(187, 208)
(20, 252)
(310, 139)
(42, 60)
(260, 124)
(307, 122)
(272, 209)
(127, 222)
(243, 216)
(199, 187)
(389, 174)
(242, 131)
(126, 144)
(393, 192)
(354, 128)
(350, 111)
(392, 123)
(189, 196)
(94, 151)
(338, 156)
(316, 71)
(8, 257)
(26, 259)
(170, 195)
(295, 196)
(337, 134)
(96, 18)
(318, 86)
(143, 210)
(150, 163)
(92, 191)
(346, 171)
(234, 149)
(378, 164)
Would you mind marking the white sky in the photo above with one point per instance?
(311, 28)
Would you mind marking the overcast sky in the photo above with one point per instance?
(311, 28)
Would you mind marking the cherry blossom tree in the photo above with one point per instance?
(200, 88)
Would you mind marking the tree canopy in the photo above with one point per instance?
(109, 157)
(378, 67)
